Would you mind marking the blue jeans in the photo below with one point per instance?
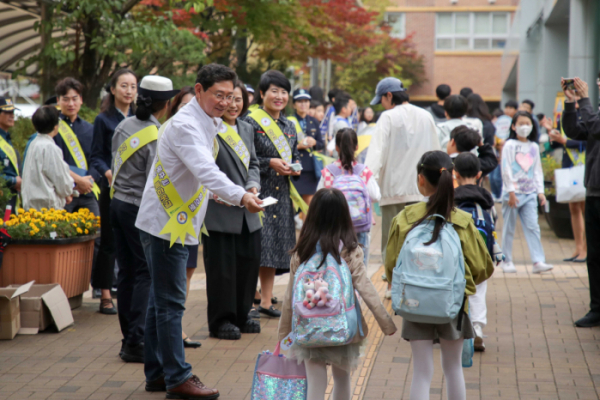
(496, 182)
(528, 213)
(364, 238)
(163, 347)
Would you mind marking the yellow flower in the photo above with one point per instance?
(54, 226)
(42, 224)
(79, 231)
(31, 233)
(88, 225)
(75, 225)
(44, 209)
(86, 232)
(21, 210)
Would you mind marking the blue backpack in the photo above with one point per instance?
(428, 284)
(483, 222)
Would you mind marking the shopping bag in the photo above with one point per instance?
(569, 184)
(278, 378)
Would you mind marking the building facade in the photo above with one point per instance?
(462, 42)
(550, 39)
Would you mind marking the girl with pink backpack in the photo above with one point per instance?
(357, 184)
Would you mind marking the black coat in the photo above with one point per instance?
(312, 130)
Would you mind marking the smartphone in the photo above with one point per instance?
(296, 167)
(569, 84)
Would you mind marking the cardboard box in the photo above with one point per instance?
(43, 305)
(10, 310)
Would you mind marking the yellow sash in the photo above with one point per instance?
(313, 153)
(70, 139)
(233, 140)
(10, 153)
(129, 147)
(283, 148)
(579, 157)
(181, 214)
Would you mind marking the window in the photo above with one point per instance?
(471, 31)
(396, 21)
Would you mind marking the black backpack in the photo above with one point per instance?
(483, 222)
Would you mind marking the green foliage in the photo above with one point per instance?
(88, 114)
(549, 164)
(20, 134)
(33, 224)
(5, 194)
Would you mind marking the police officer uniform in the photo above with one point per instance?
(9, 170)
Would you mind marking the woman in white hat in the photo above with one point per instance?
(133, 152)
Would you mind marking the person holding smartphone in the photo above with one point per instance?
(587, 128)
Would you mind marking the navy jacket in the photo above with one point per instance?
(9, 172)
(104, 128)
(312, 130)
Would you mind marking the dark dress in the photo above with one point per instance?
(308, 182)
(279, 230)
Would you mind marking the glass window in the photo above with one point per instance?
(397, 22)
(482, 23)
(444, 24)
(463, 23)
(475, 31)
(481, 44)
(444, 44)
(500, 24)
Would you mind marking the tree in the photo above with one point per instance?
(112, 34)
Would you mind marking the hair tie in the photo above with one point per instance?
(146, 100)
(442, 169)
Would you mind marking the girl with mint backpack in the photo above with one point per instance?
(435, 182)
(327, 238)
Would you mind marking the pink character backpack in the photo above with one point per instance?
(356, 193)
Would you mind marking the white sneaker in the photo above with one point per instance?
(508, 267)
(388, 294)
(478, 342)
(299, 222)
(540, 267)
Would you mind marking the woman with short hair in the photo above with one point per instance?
(276, 147)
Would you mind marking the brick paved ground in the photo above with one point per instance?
(533, 351)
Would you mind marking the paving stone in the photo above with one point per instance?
(68, 389)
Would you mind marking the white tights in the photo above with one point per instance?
(423, 369)
(316, 374)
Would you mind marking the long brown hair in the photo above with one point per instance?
(327, 223)
(436, 167)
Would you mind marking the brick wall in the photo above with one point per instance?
(481, 72)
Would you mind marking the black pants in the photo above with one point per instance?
(133, 284)
(592, 233)
(91, 204)
(231, 263)
(102, 274)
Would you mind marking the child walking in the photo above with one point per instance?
(523, 185)
(346, 143)
(435, 183)
(328, 225)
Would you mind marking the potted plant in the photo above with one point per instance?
(557, 215)
(51, 246)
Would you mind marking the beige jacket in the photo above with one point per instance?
(361, 283)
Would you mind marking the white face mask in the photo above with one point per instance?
(524, 130)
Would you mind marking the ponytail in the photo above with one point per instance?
(347, 141)
(436, 167)
(146, 106)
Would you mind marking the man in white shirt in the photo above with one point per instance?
(456, 110)
(184, 163)
(402, 135)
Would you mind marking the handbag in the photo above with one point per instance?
(278, 378)
(569, 184)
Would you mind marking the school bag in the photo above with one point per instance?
(356, 193)
(337, 321)
(428, 284)
(485, 225)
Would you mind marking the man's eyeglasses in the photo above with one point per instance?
(220, 96)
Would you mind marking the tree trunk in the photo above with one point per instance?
(241, 52)
(89, 63)
(46, 64)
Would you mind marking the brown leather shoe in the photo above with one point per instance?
(157, 385)
(192, 389)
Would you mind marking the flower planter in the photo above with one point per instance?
(67, 262)
(559, 218)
